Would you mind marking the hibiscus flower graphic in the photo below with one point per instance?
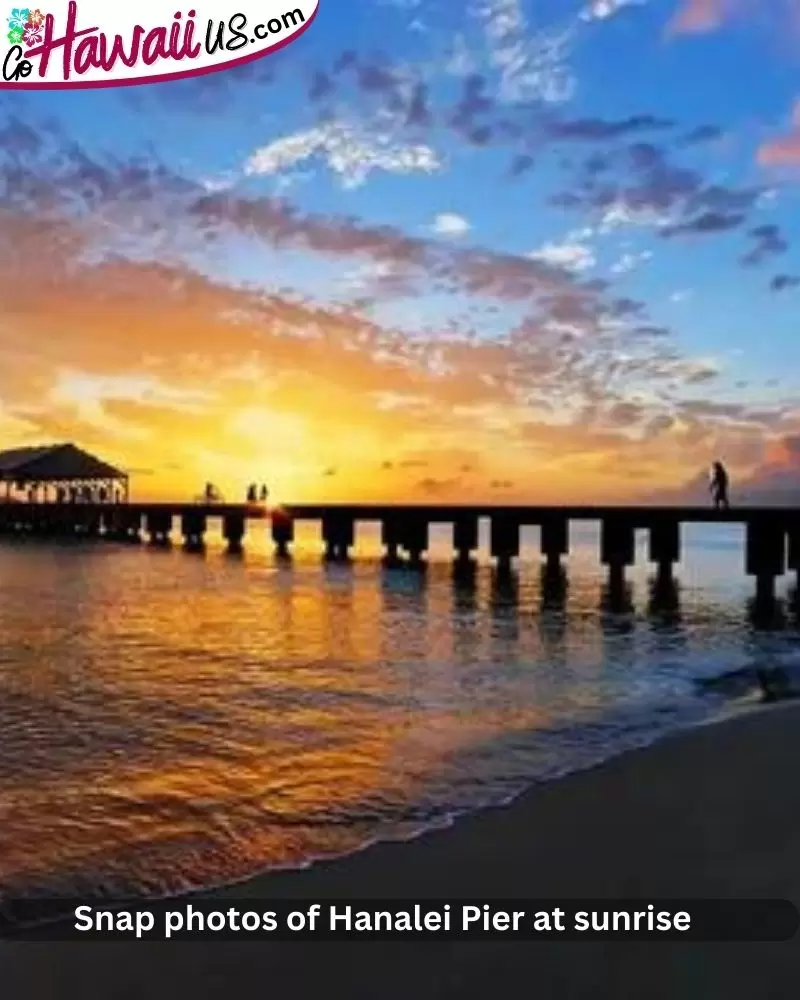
(18, 19)
(15, 36)
(35, 18)
(32, 34)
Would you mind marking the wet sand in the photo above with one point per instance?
(714, 812)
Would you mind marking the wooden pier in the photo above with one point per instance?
(772, 534)
(126, 522)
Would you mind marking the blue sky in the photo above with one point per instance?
(501, 173)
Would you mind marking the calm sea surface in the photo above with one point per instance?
(171, 721)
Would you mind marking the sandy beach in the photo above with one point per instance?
(713, 812)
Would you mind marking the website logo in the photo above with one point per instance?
(94, 43)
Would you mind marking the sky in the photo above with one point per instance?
(503, 250)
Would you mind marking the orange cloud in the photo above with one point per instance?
(699, 16)
(785, 150)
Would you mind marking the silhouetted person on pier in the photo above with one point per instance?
(264, 494)
(251, 493)
(719, 486)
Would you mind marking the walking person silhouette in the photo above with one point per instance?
(719, 486)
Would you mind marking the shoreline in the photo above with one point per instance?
(37, 925)
(707, 812)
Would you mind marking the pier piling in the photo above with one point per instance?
(391, 539)
(793, 555)
(504, 535)
(159, 527)
(415, 538)
(665, 548)
(193, 526)
(465, 539)
(338, 534)
(765, 557)
(233, 528)
(617, 549)
(554, 543)
(282, 532)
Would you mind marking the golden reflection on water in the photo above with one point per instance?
(169, 720)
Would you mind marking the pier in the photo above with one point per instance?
(130, 522)
(772, 534)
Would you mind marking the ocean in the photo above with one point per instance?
(172, 721)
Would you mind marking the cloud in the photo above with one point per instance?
(785, 150)
(85, 388)
(699, 16)
(702, 134)
(630, 262)
(640, 184)
(703, 16)
(450, 224)
(350, 152)
(769, 241)
(603, 10)
(784, 282)
(437, 487)
(532, 65)
(573, 256)
(706, 223)
(601, 129)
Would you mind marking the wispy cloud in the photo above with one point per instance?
(450, 224)
(532, 65)
(571, 254)
(350, 151)
(603, 10)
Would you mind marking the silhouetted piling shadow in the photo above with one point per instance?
(195, 548)
(616, 599)
(664, 604)
(397, 579)
(464, 579)
(464, 570)
(554, 588)
(504, 589)
(766, 614)
(161, 545)
(334, 561)
(340, 572)
(504, 605)
(235, 554)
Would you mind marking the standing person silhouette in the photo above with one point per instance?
(719, 486)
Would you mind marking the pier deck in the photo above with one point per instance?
(639, 515)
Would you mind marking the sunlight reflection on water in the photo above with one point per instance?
(169, 720)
